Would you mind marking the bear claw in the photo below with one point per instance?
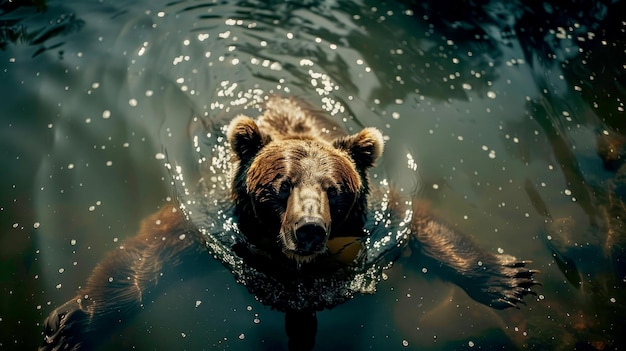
(63, 328)
(509, 286)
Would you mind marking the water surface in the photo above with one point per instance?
(490, 112)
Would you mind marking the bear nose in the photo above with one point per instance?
(310, 235)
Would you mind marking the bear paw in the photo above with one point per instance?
(65, 328)
(509, 285)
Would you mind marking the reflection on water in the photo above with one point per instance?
(499, 108)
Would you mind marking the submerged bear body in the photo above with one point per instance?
(301, 227)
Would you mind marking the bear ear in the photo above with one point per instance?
(364, 147)
(245, 138)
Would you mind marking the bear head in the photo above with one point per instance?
(293, 194)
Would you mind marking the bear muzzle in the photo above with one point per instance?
(310, 234)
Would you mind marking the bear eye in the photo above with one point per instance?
(332, 191)
(285, 188)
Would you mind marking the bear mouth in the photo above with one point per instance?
(301, 258)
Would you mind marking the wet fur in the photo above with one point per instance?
(293, 144)
(117, 286)
(165, 240)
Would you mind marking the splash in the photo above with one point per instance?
(207, 206)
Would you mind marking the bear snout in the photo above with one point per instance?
(310, 235)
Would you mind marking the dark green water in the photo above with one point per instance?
(492, 110)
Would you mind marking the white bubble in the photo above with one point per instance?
(159, 156)
(491, 95)
(132, 102)
(106, 114)
(405, 343)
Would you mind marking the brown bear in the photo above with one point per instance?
(299, 232)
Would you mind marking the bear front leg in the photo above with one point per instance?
(118, 284)
(498, 281)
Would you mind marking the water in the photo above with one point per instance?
(491, 114)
